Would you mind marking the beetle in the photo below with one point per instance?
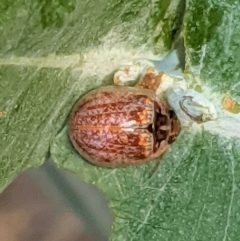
(117, 126)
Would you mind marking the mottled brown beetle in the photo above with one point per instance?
(117, 126)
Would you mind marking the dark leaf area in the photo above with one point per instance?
(212, 43)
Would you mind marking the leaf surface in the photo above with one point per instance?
(51, 53)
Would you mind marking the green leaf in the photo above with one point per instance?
(192, 195)
(52, 52)
(212, 41)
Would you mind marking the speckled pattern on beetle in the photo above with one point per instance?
(117, 126)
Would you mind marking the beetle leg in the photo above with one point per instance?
(155, 167)
(164, 146)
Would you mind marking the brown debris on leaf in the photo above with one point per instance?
(154, 80)
(3, 113)
(151, 79)
(230, 105)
